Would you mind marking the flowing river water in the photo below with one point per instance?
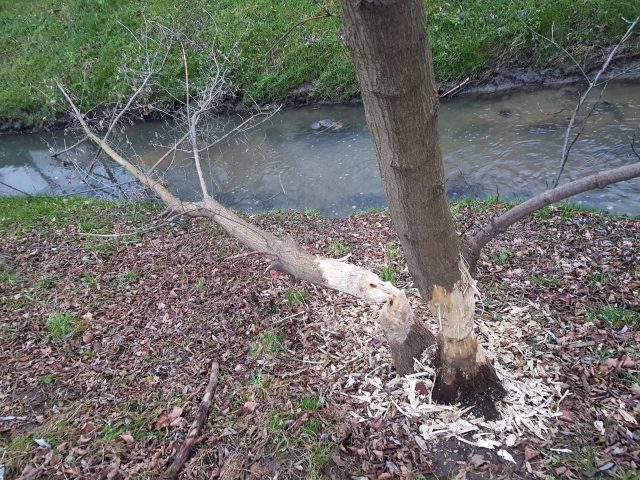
(507, 145)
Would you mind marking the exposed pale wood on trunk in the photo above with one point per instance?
(389, 47)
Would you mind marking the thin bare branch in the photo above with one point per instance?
(567, 143)
(193, 437)
(504, 221)
(55, 154)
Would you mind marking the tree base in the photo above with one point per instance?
(465, 376)
(417, 341)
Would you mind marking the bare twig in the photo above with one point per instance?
(567, 143)
(16, 189)
(194, 437)
(55, 154)
(456, 88)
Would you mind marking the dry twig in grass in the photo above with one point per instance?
(193, 438)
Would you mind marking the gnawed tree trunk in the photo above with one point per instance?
(389, 47)
(285, 254)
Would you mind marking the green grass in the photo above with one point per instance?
(86, 43)
(21, 448)
(63, 325)
(25, 213)
(504, 255)
(295, 297)
(310, 402)
(338, 247)
(615, 316)
(268, 342)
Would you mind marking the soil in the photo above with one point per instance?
(306, 388)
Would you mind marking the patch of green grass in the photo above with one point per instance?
(85, 44)
(201, 283)
(316, 458)
(629, 377)
(594, 279)
(338, 247)
(20, 300)
(311, 426)
(614, 316)
(543, 214)
(136, 424)
(6, 274)
(63, 325)
(47, 379)
(132, 276)
(295, 297)
(310, 402)
(387, 274)
(504, 255)
(21, 448)
(46, 282)
(268, 342)
(21, 213)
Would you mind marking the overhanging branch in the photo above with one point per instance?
(504, 221)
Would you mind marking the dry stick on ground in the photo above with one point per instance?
(193, 437)
(567, 144)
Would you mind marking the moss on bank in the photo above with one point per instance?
(89, 45)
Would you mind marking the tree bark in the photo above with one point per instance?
(500, 224)
(389, 47)
(285, 254)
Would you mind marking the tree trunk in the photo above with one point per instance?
(389, 47)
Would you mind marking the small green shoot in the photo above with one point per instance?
(338, 247)
(268, 342)
(62, 325)
(387, 274)
(295, 297)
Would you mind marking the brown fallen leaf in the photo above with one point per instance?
(530, 453)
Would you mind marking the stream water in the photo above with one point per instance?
(507, 144)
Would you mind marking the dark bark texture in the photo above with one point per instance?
(389, 47)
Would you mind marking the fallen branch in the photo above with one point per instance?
(193, 437)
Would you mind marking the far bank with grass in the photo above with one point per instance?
(95, 47)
